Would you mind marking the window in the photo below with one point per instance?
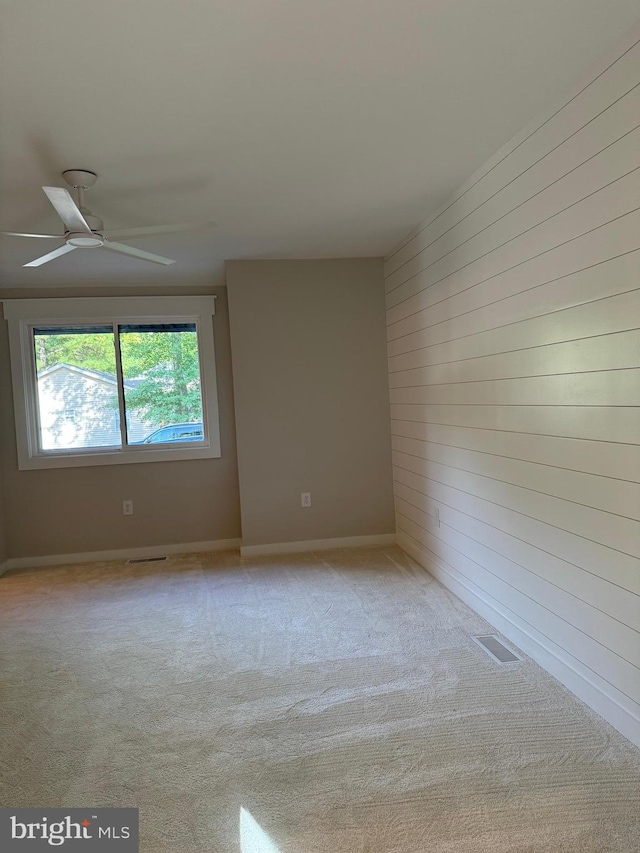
(103, 381)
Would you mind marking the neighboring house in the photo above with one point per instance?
(79, 408)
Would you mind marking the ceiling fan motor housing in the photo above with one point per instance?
(82, 240)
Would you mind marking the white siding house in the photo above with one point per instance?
(79, 408)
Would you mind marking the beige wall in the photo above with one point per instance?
(312, 404)
(71, 510)
(514, 356)
(3, 538)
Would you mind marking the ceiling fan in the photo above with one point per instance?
(83, 230)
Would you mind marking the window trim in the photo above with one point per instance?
(25, 314)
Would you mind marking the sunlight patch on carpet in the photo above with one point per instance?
(253, 838)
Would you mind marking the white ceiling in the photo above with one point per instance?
(305, 128)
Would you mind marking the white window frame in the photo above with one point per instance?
(25, 314)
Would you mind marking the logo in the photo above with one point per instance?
(103, 830)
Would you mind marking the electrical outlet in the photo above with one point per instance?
(305, 498)
(127, 507)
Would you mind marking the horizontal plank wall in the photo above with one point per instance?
(514, 370)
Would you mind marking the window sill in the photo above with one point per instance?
(112, 456)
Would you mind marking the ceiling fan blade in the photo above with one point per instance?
(136, 253)
(161, 229)
(67, 209)
(21, 234)
(44, 259)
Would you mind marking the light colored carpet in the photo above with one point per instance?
(337, 698)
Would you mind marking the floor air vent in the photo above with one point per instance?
(148, 560)
(498, 651)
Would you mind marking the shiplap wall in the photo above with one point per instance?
(514, 368)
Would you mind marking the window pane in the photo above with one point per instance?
(162, 389)
(77, 387)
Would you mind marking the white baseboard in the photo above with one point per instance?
(120, 554)
(318, 545)
(196, 547)
(583, 683)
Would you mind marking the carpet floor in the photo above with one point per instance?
(321, 703)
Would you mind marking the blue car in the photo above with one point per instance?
(174, 433)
